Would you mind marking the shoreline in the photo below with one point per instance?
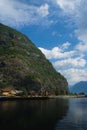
(69, 96)
(12, 98)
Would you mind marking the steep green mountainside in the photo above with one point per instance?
(23, 66)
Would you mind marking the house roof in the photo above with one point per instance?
(7, 89)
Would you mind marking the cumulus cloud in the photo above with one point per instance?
(75, 75)
(68, 6)
(16, 13)
(71, 64)
(43, 10)
(58, 52)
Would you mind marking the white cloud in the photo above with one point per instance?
(75, 75)
(43, 10)
(68, 6)
(81, 31)
(81, 34)
(58, 52)
(66, 45)
(70, 62)
(15, 13)
(82, 47)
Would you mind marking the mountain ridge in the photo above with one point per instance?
(80, 87)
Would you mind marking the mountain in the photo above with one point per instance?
(80, 87)
(24, 67)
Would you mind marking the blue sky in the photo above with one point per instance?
(57, 27)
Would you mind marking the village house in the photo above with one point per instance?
(6, 91)
(10, 91)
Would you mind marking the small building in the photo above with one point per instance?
(18, 92)
(7, 91)
(13, 92)
(10, 91)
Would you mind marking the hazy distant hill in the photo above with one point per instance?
(80, 87)
(23, 66)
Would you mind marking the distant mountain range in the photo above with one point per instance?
(80, 87)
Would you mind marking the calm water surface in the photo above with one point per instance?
(51, 114)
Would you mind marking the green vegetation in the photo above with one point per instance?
(22, 65)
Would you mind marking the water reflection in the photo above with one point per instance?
(76, 118)
(32, 115)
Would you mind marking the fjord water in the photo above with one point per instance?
(51, 114)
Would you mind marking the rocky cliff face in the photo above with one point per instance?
(23, 66)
